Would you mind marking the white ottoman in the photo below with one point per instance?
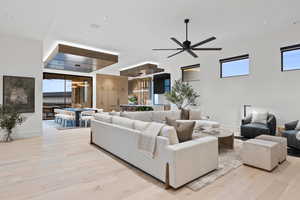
(260, 153)
(282, 143)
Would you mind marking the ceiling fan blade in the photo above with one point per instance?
(167, 49)
(203, 42)
(177, 42)
(176, 53)
(207, 49)
(192, 53)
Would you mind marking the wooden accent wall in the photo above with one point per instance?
(111, 92)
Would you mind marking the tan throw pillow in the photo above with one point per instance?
(184, 130)
(185, 114)
(195, 114)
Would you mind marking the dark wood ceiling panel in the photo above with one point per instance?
(71, 58)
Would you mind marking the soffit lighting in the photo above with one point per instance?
(136, 65)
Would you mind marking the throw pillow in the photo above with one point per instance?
(170, 133)
(184, 114)
(184, 130)
(259, 117)
(195, 114)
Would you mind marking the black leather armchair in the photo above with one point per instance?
(252, 130)
(290, 133)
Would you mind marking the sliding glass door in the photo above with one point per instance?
(65, 91)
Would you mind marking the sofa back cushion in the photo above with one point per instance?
(122, 121)
(160, 116)
(103, 117)
(145, 116)
(174, 114)
(140, 125)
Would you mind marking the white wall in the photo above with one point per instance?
(23, 57)
(265, 87)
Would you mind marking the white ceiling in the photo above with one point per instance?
(133, 27)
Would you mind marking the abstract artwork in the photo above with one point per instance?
(19, 91)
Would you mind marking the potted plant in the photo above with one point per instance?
(9, 118)
(133, 100)
(182, 95)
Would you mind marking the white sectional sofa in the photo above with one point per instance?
(174, 163)
(160, 116)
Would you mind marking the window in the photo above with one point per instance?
(167, 85)
(62, 91)
(235, 66)
(290, 58)
(190, 73)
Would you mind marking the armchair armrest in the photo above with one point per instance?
(271, 123)
(291, 125)
(246, 120)
(192, 159)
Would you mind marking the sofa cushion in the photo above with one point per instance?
(259, 117)
(159, 116)
(202, 124)
(184, 130)
(195, 114)
(103, 117)
(122, 121)
(143, 115)
(173, 114)
(257, 126)
(115, 114)
(170, 133)
(140, 125)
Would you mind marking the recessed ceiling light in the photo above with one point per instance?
(95, 26)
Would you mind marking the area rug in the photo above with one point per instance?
(228, 161)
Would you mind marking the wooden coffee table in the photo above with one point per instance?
(225, 136)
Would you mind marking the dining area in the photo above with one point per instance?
(74, 117)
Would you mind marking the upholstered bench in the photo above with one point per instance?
(282, 143)
(260, 153)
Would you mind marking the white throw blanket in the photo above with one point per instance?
(298, 135)
(147, 138)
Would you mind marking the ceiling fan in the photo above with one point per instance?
(186, 45)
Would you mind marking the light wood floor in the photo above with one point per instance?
(62, 166)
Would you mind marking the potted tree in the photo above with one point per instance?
(182, 95)
(9, 119)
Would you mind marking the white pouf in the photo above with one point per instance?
(260, 153)
(282, 143)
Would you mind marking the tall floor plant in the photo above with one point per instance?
(182, 94)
